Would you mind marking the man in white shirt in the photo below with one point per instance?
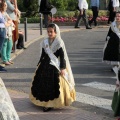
(113, 7)
(83, 6)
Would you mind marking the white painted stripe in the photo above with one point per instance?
(114, 77)
(101, 86)
(94, 101)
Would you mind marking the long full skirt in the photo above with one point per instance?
(112, 50)
(52, 91)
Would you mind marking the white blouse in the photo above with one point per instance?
(116, 3)
(83, 4)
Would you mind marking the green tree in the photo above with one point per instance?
(30, 9)
(59, 4)
(20, 5)
(72, 5)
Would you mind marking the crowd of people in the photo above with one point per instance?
(9, 19)
(50, 94)
(53, 84)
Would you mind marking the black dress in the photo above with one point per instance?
(45, 84)
(112, 50)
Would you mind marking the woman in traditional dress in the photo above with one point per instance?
(53, 82)
(112, 45)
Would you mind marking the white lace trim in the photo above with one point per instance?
(57, 44)
(6, 106)
(115, 29)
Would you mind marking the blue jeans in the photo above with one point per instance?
(2, 37)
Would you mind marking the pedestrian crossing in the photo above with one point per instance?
(101, 86)
(93, 100)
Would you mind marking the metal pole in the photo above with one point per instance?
(25, 28)
(41, 25)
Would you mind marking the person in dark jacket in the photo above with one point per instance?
(95, 9)
(113, 7)
(45, 8)
(20, 43)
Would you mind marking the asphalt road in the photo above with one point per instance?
(84, 49)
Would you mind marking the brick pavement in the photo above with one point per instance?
(27, 111)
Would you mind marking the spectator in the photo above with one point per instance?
(12, 12)
(95, 10)
(83, 6)
(45, 8)
(3, 24)
(7, 45)
(112, 45)
(113, 7)
(20, 43)
(52, 85)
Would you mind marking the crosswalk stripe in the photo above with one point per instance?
(101, 86)
(92, 100)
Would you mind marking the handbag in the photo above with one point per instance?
(116, 103)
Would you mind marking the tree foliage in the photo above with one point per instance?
(64, 4)
(28, 6)
(31, 6)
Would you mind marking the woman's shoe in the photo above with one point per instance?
(46, 109)
(11, 62)
(24, 47)
(6, 63)
(19, 47)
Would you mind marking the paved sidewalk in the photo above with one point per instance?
(27, 111)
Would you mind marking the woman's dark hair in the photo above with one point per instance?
(2, 3)
(117, 12)
(51, 25)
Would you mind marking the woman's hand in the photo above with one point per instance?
(62, 72)
(7, 24)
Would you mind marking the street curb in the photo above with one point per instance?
(18, 52)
